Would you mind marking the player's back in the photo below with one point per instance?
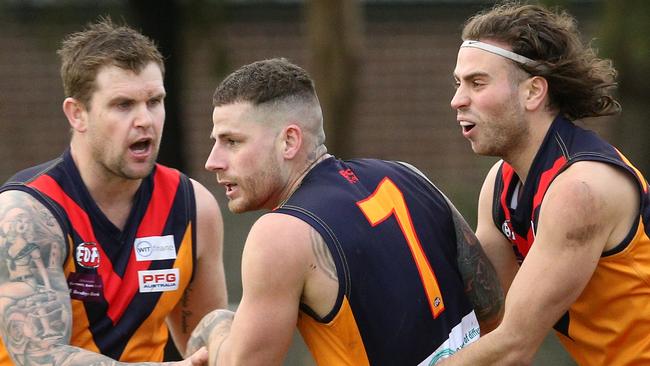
(392, 238)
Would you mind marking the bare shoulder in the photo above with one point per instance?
(589, 188)
(23, 215)
(487, 190)
(209, 226)
(592, 199)
(279, 232)
(206, 203)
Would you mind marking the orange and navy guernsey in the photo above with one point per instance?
(123, 283)
(609, 324)
(401, 299)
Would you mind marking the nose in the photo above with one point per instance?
(460, 99)
(144, 116)
(216, 161)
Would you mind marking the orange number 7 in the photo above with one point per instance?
(388, 200)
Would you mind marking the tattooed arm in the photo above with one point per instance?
(207, 291)
(35, 310)
(279, 271)
(213, 328)
(479, 276)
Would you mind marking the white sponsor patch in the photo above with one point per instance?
(460, 336)
(154, 248)
(159, 280)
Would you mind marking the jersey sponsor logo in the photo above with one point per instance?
(507, 230)
(463, 334)
(154, 248)
(159, 280)
(349, 175)
(87, 255)
(85, 286)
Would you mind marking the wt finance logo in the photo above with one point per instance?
(87, 255)
(154, 248)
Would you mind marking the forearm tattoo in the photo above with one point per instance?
(323, 256)
(480, 278)
(217, 319)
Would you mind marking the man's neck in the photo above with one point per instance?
(522, 159)
(113, 195)
(318, 155)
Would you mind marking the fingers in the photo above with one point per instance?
(199, 358)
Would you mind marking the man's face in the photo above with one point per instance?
(246, 158)
(125, 121)
(489, 102)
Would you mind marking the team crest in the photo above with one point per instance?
(87, 255)
(507, 230)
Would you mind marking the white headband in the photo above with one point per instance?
(500, 51)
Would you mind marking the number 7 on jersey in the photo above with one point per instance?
(388, 200)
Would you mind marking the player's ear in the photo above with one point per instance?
(536, 92)
(292, 139)
(76, 113)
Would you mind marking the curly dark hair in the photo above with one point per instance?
(580, 83)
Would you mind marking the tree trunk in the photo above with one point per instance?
(162, 22)
(334, 35)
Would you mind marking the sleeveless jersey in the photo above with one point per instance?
(609, 324)
(401, 298)
(123, 284)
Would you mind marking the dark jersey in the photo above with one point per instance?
(401, 297)
(123, 283)
(609, 324)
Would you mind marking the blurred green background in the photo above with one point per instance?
(383, 70)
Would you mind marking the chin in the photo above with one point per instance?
(236, 207)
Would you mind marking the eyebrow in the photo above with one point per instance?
(472, 75)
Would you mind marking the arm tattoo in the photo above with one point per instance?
(480, 278)
(201, 335)
(323, 255)
(186, 313)
(35, 309)
(33, 290)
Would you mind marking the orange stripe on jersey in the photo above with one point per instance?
(620, 291)
(337, 342)
(151, 346)
(639, 176)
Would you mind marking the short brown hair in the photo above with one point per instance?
(265, 81)
(580, 83)
(101, 44)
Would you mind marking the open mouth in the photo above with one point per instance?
(229, 187)
(141, 147)
(466, 126)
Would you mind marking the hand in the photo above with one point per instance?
(198, 358)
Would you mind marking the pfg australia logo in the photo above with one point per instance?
(507, 230)
(87, 255)
(159, 280)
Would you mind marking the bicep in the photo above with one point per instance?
(207, 291)
(34, 295)
(572, 231)
(273, 278)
